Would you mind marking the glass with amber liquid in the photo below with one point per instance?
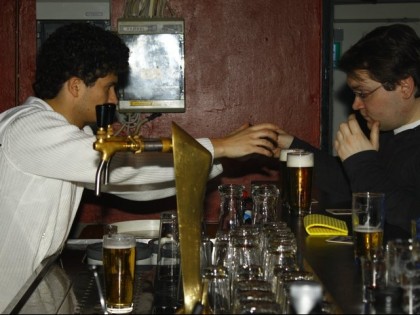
(284, 173)
(119, 254)
(300, 166)
(368, 224)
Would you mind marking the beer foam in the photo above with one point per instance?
(283, 153)
(119, 246)
(367, 229)
(300, 160)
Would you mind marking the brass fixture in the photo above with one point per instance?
(108, 144)
(192, 164)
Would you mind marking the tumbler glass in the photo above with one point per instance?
(245, 252)
(231, 207)
(255, 296)
(265, 200)
(119, 259)
(218, 289)
(249, 285)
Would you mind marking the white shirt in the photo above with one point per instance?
(406, 127)
(45, 163)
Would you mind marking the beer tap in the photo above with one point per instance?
(192, 165)
(108, 144)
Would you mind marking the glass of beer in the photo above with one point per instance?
(368, 211)
(119, 258)
(285, 188)
(300, 166)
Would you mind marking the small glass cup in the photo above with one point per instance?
(246, 251)
(258, 307)
(244, 273)
(283, 253)
(243, 297)
(249, 285)
(265, 200)
(218, 289)
(231, 207)
(221, 255)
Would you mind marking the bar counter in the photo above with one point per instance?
(335, 267)
(66, 283)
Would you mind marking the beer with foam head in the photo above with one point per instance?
(300, 166)
(119, 258)
(285, 187)
(368, 223)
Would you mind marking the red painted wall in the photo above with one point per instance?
(7, 54)
(245, 61)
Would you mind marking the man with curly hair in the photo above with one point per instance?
(46, 154)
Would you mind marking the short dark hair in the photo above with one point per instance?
(389, 53)
(81, 50)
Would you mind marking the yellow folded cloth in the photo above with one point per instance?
(318, 224)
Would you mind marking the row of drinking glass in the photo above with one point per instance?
(253, 267)
(296, 167)
(233, 212)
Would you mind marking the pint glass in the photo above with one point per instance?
(368, 224)
(300, 166)
(285, 187)
(119, 254)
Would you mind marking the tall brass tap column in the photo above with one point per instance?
(192, 166)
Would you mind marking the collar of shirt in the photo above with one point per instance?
(406, 127)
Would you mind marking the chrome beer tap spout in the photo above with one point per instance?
(108, 144)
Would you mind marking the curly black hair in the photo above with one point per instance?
(80, 50)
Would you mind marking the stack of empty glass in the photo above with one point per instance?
(168, 290)
(257, 257)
